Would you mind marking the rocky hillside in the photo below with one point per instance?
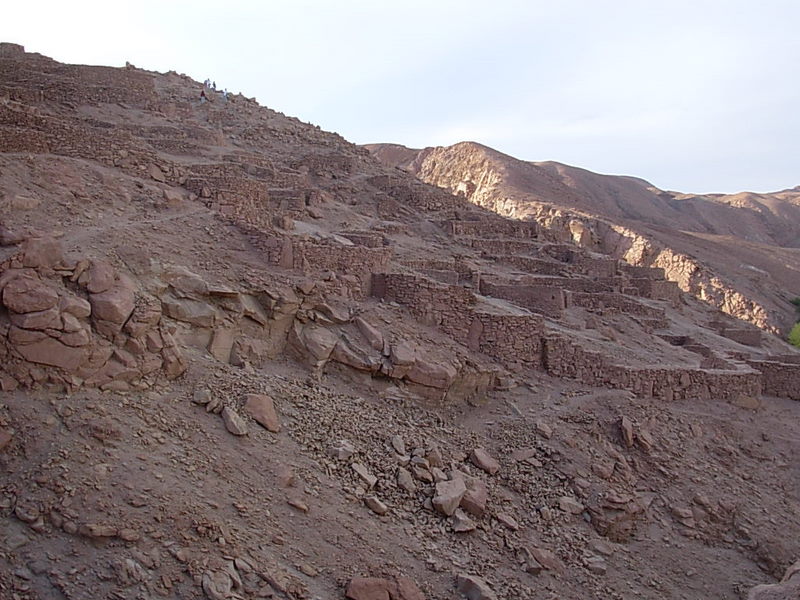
(241, 358)
(738, 252)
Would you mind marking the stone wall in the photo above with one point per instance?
(575, 284)
(508, 338)
(743, 335)
(655, 289)
(564, 358)
(497, 247)
(781, 378)
(453, 309)
(547, 300)
(616, 303)
(497, 227)
(537, 266)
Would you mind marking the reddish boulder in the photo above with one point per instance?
(28, 294)
(114, 305)
(262, 408)
(78, 307)
(43, 319)
(99, 278)
(52, 352)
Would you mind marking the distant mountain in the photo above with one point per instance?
(739, 252)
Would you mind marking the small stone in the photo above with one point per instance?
(262, 408)
(603, 469)
(596, 565)
(645, 440)
(461, 522)
(405, 481)
(544, 430)
(298, 504)
(547, 559)
(97, 530)
(421, 473)
(474, 500)
(626, 430)
(233, 422)
(481, 459)
(399, 445)
(129, 535)
(448, 495)
(507, 520)
(570, 505)
(341, 450)
(375, 505)
(365, 475)
(601, 547)
(474, 588)
(438, 474)
(201, 397)
(5, 438)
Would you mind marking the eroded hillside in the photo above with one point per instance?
(241, 358)
(739, 252)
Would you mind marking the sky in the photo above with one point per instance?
(695, 96)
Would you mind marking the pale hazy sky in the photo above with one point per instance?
(696, 96)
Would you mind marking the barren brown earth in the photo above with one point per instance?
(739, 252)
(242, 358)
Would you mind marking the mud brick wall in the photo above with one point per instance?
(508, 338)
(563, 358)
(549, 301)
(781, 379)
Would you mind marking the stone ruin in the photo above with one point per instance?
(507, 298)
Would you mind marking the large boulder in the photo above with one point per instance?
(53, 353)
(431, 373)
(114, 305)
(26, 294)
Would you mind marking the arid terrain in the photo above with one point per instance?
(241, 357)
(740, 252)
